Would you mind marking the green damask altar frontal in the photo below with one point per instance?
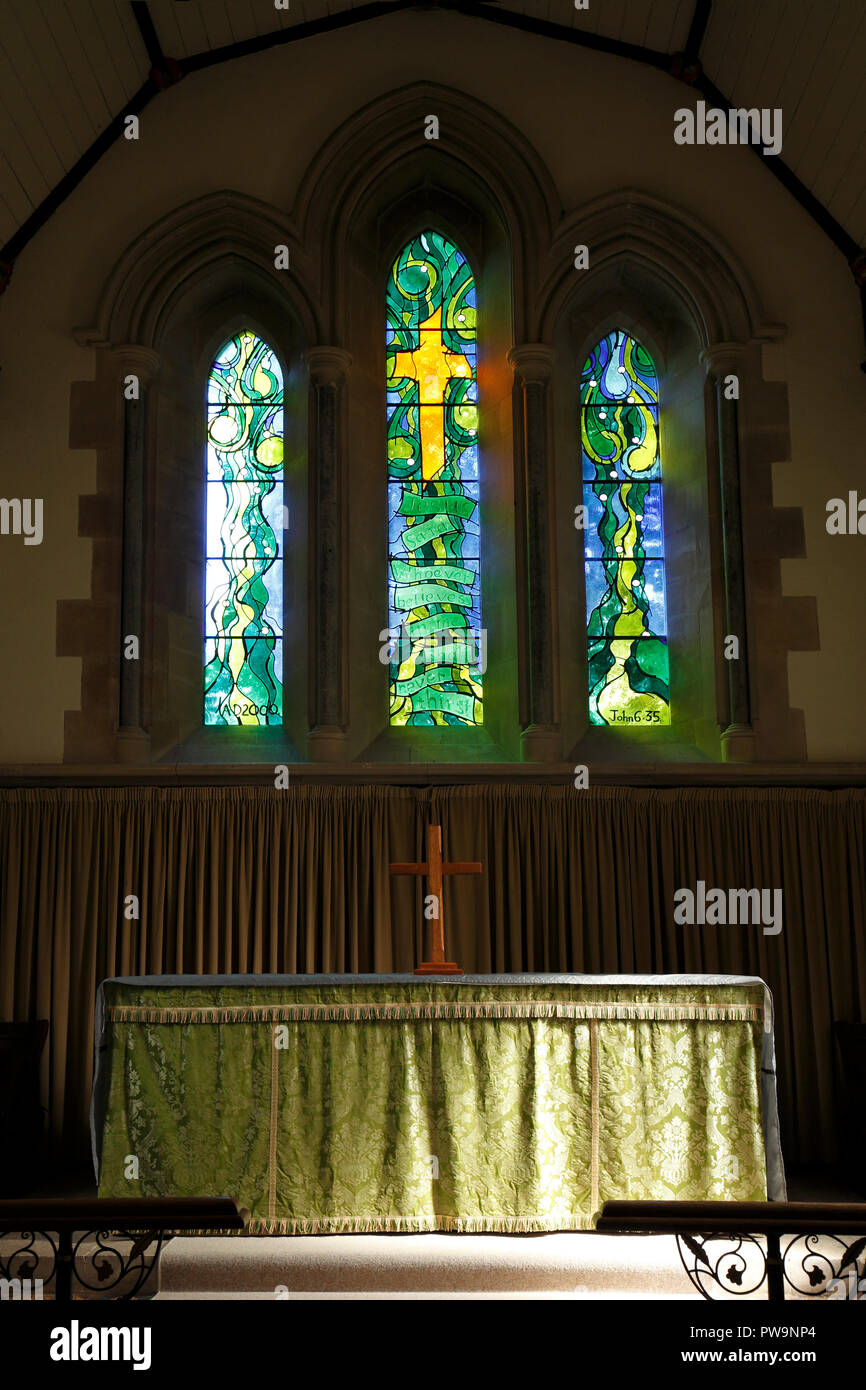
(390, 1103)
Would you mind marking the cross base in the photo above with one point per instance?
(442, 967)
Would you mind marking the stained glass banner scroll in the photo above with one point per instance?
(243, 678)
(433, 537)
(624, 547)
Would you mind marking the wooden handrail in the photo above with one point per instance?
(101, 1213)
(730, 1218)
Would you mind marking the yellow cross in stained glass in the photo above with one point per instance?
(432, 365)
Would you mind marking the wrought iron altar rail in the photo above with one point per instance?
(720, 1251)
(67, 1225)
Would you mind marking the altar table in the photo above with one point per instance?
(348, 1103)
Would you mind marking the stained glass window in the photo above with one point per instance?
(243, 676)
(434, 558)
(624, 545)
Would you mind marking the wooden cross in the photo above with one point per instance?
(434, 869)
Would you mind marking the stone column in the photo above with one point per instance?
(540, 740)
(328, 367)
(724, 361)
(133, 740)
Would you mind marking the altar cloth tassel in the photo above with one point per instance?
(361, 1013)
(407, 1225)
(396, 1225)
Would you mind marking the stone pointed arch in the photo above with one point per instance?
(374, 184)
(656, 271)
(218, 230)
(352, 167)
(184, 285)
(629, 226)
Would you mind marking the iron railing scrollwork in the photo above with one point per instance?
(721, 1265)
(98, 1247)
(29, 1271)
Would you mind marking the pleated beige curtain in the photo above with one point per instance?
(258, 880)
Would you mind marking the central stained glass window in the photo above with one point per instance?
(243, 677)
(433, 500)
(624, 548)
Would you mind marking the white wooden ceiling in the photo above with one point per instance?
(68, 66)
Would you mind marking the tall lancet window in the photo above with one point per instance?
(243, 620)
(433, 535)
(624, 548)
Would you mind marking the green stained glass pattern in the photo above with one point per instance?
(243, 677)
(629, 682)
(433, 532)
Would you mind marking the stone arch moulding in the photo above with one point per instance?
(745, 438)
(379, 137)
(155, 268)
(224, 240)
(628, 224)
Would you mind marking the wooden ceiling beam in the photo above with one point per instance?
(147, 29)
(697, 29)
(684, 66)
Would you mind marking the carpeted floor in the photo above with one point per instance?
(560, 1265)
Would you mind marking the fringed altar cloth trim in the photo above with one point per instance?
(385, 1225)
(360, 1013)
